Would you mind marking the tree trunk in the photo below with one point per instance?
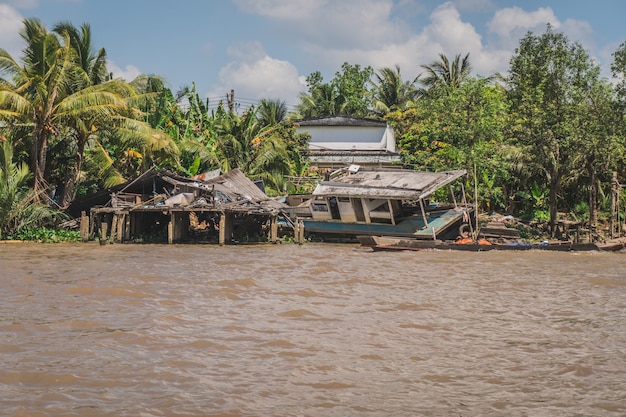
(593, 205)
(71, 177)
(554, 191)
(39, 151)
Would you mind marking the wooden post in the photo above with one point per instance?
(273, 229)
(226, 228)
(120, 227)
(126, 227)
(84, 227)
(423, 214)
(222, 239)
(113, 233)
(104, 225)
(170, 230)
(92, 225)
(301, 232)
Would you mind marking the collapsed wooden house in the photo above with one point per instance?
(160, 206)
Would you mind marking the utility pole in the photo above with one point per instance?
(230, 100)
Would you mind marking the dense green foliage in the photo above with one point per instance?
(541, 140)
(19, 206)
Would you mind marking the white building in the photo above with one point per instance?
(339, 141)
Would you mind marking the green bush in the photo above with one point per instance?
(46, 235)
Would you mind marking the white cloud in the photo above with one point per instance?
(254, 74)
(446, 33)
(377, 33)
(326, 23)
(578, 31)
(510, 20)
(10, 25)
(129, 73)
(511, 24)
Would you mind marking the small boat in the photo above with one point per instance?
(393, 202)
(379, 243)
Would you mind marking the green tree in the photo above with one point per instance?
(259, 151)
(618, 68)
(19, 203)
(352, 83)
(460, 127)
(548, 76)
(444, 72)
(346, 94)
(599, 125)
(390, 92)
(61, 94)
(271, 112)
(321, 100)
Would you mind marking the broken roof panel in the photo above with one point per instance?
(391, 184)
(236, 185)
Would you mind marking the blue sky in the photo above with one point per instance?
(265, 48)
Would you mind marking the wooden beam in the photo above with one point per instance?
(273, 229)
(170, 229)
(84, 226)
(104, 226)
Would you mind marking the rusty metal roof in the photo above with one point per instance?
(341, 120)
(235, 184)
(387, 184)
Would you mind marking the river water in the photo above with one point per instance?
(311, 330)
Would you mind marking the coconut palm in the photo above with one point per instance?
(445, 73)
(391, 92)
(59, 94)
(19, 207)
(93, 65)
(30, 96)
(259, 151)
(271, 112)
(324, 100)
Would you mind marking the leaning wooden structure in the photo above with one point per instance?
(162, 207)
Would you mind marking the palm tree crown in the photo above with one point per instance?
(444, 73)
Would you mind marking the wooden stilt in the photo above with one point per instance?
(126, 236)
(113, 233)
(170, 230)
(92, 225)
(301, 233)
(273, 229)
(84, 227)
(104, 226)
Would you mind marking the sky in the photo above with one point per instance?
(266, 48)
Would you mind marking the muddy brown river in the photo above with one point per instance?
(311, 330)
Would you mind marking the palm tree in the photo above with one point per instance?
(29, 98)
(391, 92)
(271, 112)
(259, 151)
(443, 73)
(93, 65)
(19, 205)
(60, 93)
(324, 100)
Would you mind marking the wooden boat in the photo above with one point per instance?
(353, 201)
(395, 243)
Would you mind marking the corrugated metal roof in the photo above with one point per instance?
(392, 184)
(341, 121)
(236, 184)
